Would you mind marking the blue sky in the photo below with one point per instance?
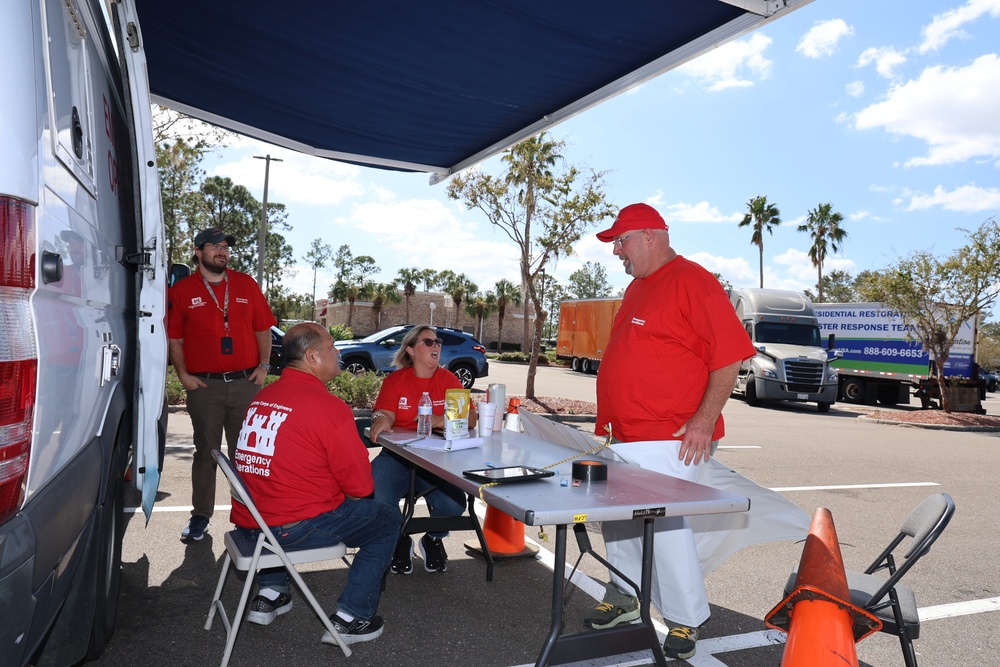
(889, 110)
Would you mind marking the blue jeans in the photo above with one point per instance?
(392, 482)
(370, 526)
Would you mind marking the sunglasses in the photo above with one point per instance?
(431, 342)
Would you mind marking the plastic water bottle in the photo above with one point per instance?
(424, 409)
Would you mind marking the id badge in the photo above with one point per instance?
(227, 345)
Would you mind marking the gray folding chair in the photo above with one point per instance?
(891, 601)
(250, 557)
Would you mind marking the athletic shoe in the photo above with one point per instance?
(402, 560)
(195, 530)
(680, 642)
(262, 610)
(435, 557)
(608, 615)
(355, 631)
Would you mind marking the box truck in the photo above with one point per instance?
(82, 302)
(881, 361)
(791, 363)
(584, 329)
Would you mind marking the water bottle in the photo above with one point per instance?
(424, 409)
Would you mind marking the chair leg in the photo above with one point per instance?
(314, 603)
(909, 655)
(226, 560)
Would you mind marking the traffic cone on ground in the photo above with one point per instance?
(504, 537)
(822, 624)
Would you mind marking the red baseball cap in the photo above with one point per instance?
(632, 217)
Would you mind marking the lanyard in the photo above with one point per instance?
(222, 309)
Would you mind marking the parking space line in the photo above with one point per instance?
(838, 487)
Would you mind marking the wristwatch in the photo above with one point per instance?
(265, 366)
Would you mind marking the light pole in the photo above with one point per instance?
(432, 307)
(262, 236)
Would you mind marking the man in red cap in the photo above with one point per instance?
(668, 369)
(219, 338)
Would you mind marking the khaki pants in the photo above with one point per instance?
(217, 408)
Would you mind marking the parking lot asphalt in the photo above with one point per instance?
(869, 476)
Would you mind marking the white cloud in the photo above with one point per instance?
(821, 40)
(886, 60)
(700, 212)
(736, 64)
(964, 199)
(952, 109)
(297, 178)
(855, 88)
(949, 24)
(734, 269)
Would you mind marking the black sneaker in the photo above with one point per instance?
(681, 643)
(608, 614)
(402, 560)
(435, 557)
(263, 611)
(355, 631)
(195, 530)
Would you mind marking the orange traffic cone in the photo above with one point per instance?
(504, 537)
(822, 624)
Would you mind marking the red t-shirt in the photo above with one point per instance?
(402, 389)
(673, 328)
(299, 452)
(193, 316)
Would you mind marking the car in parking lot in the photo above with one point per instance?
(461, 353)
(992, 380)
(277, 360)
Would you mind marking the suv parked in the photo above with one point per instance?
(461, 353)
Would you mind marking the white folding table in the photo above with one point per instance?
(630, 493)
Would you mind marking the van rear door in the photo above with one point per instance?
(151, 361)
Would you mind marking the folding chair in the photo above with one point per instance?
(892, 602)
(251, 557)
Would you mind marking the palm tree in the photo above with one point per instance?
(348, 292)
(380, 295)
(506, 293)
(457, 287)
(408, 279)
(480, 306)
(763, 217)
(823, 225)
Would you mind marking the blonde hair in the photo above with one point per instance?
(402, 359)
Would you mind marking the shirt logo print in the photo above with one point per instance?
(636, 320)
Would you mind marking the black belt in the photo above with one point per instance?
(228, 377)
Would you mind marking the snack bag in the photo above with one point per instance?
(456, 413)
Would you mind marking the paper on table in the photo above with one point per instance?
(447, 445)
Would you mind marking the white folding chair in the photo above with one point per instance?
(250, 557)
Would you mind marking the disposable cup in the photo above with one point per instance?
(487, 412)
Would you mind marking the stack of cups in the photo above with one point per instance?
(497, 395)
(487, 413)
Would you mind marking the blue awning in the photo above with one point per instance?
(433, 85)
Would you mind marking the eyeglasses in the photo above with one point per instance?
(620, 241)
(217, 247)
(431, 342)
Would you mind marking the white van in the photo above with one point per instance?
(82, 341)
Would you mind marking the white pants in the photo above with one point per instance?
(678, 588)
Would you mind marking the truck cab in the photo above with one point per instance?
(790, 364)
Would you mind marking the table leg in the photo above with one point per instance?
(594, 644)
(559, 573)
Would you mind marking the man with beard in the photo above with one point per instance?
(218, 328)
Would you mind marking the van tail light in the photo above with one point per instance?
(18, 357)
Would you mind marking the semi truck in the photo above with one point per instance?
(584, 330)
(881, 361)
(82, 302)
(791, 363)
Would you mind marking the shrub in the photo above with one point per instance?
(513, 356)
(341, 332)
(176, 394)
(358, 391)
